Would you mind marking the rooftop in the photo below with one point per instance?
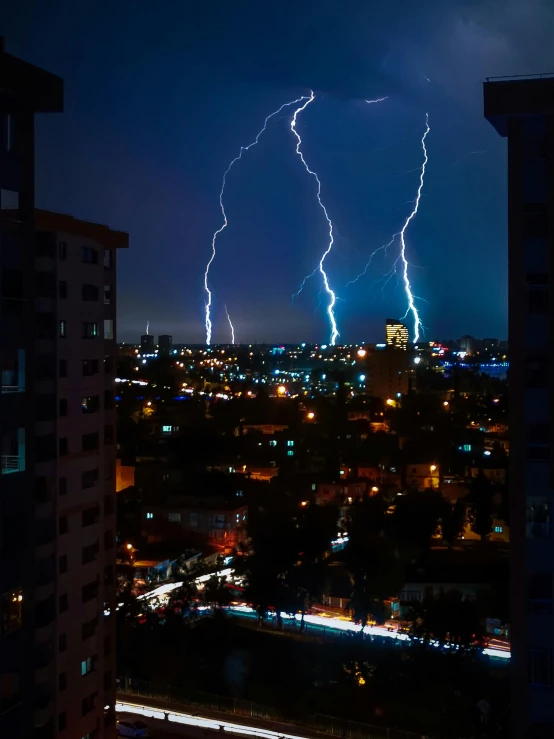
(29, 88)
(46, 220)
(509, 98)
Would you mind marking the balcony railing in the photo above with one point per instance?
(12, 463)
(13, 389)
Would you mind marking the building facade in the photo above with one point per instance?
(397, 334)
(388, 373)
(76, 279)
(28, 532)
(522, 110)
(57, 431)
(147, 344)
(165, 345)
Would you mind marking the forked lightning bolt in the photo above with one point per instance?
(412, 308)
(231, 326)
(208, 292)
(405, 276)
(327, 288)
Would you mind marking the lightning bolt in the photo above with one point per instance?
(208, 292)
(231, 325)
(401, 258)
(405, 265)
(147, 327)
(320, 268)
(377, 100)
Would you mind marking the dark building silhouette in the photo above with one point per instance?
(165, 345)
(522, 110)
(28, 525)
(147, 344)
(57, 435)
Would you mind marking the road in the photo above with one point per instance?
(196, 726)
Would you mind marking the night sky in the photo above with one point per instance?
(159, 97)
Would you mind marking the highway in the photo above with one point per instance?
(192, 725)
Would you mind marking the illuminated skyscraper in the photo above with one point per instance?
(397, 334)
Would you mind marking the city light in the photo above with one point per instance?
(361, 353)
(433, 468)
(310, 416)
(282, 390)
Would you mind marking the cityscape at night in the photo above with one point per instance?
(276, 347)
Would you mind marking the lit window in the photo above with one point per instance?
(290, 453)
(498, 529)
(174, 517)
(108, 328)
(466, 447)
(290, 443)
(149, 515)
(63, 328)
(12, 611)
(314, 486)
(272, 442)
(166, 429)
(90, 330)
(86, 666)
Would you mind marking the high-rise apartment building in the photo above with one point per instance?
(28, 647)
(389, 373)
(396, 334)
(165, 345)
(57, 429)
(522, 110)
(147, 344)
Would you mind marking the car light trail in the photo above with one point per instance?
(208, 292)
(332, 298)
(344, 624)
(189, 719)
(163, 590)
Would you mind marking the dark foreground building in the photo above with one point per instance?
(57, 436)
(522, 110)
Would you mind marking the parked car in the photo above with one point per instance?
(132, 729)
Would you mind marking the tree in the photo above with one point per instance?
(446, 616)
(374, 559)
(481, 505)
(216, 593)
(453, 521)
(416, 519)
(317, 527)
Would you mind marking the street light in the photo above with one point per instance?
(310, 416)
(433, 468)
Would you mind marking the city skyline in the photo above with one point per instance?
(154, 154)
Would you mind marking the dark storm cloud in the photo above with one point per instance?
(308, 44)
(159, 96)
